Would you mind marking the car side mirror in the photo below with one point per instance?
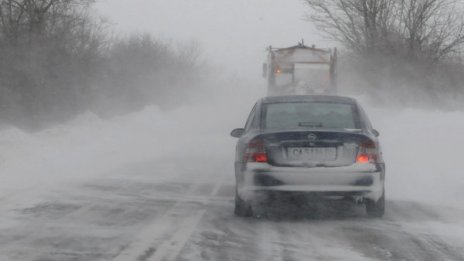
(237, 133)
(376, 133)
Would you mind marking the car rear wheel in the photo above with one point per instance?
(376, 209)
(242, 208)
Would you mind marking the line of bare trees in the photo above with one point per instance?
(412, 48)
(58, 59)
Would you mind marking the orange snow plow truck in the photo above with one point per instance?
(301, 70)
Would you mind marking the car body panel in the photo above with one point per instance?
(281, 173)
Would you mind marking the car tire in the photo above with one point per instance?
(242, 207)
(376, 209)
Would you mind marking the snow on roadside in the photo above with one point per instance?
(89, 146)
(422, 148)
(423, 151)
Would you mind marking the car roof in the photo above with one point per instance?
(308, 98)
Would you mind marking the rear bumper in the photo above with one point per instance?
(364, 180)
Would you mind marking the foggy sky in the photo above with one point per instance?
(232, 33)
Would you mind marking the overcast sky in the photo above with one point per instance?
(232, 33)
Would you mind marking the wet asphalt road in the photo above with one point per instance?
(133, 216)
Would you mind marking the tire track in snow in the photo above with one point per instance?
(171, 248)
(165, 238)
(397, 237)
(269, 238)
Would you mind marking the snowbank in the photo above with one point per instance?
(423, 151)
(422, 148)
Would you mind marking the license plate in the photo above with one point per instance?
(312, 154)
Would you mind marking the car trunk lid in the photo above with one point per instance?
(313, 148)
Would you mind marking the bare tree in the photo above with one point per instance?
(57, 60)
(430, 29)
(434, 29)
(34, 18)
(398, 49)
(48, 50)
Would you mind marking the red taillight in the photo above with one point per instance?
(260, 157)
(367, 153)
(256, 152)
(362, 158)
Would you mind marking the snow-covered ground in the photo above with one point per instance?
(157, 185)
(423, 152)
(423, 148)
(89, 146)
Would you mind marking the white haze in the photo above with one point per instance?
(422, 147)
(233, 33)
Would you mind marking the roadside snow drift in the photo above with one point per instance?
(422, 148)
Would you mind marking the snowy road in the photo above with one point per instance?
(130, 215)
(125, 189)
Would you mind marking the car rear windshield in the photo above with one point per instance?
(327, 115)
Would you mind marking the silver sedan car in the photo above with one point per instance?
(321, 145)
